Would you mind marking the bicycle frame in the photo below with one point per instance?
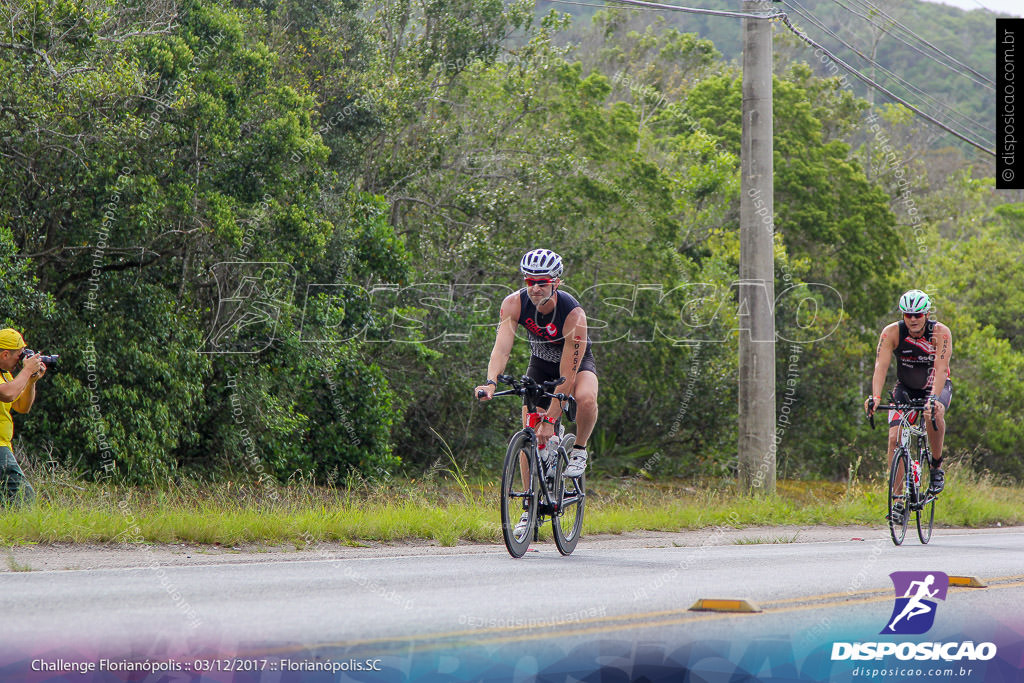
(916, 495)
(537, 482)
(546, 504)
(911, 427)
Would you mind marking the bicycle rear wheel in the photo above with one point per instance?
(567, 522)
(516, 498)
(898, 475)
(926, 515)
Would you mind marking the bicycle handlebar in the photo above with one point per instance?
(528, 381)
(902, 407)
(528, 386)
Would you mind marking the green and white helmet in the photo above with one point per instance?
(915, 301)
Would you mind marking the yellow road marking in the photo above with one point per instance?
(639, 620)
(827, 596)
(704, 617)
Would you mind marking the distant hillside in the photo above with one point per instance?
(966, 36)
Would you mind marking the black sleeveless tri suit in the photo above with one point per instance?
(915, 369)
(547, 340)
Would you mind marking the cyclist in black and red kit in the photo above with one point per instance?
(556, 326)
(923, 349)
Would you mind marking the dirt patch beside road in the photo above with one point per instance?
(72, 556)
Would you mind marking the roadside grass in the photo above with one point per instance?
(449, 508)
(762, 540)
(14, 565)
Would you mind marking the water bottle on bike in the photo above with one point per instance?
(548, 452)
(550, 449)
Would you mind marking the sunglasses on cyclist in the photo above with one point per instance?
(913, 316)
(530, 282)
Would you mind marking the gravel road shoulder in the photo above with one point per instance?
(76, 556)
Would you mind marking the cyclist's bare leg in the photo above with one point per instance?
(524, 469)
(585, 393)
(935, 437)
(894, 439)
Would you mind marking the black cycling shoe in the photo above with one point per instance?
(938, 481)
(896, 514)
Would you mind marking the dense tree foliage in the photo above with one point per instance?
(270, 237)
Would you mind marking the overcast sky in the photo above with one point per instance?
(1013, 7)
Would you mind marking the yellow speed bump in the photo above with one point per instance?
(967, 582)
(724, 605)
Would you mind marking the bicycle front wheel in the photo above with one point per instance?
(926, 515)
(571, 494)
(898, 478)
(517, 498)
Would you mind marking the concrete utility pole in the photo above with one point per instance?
(757, 261)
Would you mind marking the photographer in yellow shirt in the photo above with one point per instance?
(17, 392)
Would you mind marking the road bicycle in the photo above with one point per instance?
(911, 465)
(531, 478)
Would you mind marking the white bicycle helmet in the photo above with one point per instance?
(541, 263)
(915, 301)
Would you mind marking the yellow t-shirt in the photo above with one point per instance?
(6, 423)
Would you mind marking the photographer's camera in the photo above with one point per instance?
(49, 361)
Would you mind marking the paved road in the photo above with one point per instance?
(397, 608)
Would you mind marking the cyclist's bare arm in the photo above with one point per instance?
(943, 340)
(508, 319)
(887, 343)
(575, 345)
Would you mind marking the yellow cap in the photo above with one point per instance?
(11, 339)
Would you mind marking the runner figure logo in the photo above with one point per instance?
(913, 612)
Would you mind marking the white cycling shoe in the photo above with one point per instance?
(521, 527)
(577, 463)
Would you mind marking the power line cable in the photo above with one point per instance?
(599, 6)
(940, 51)
(699, 10)
(795, 6)
(890, 30)
(986, 82)
(964, 119)
(928, 117)
(810, 41)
